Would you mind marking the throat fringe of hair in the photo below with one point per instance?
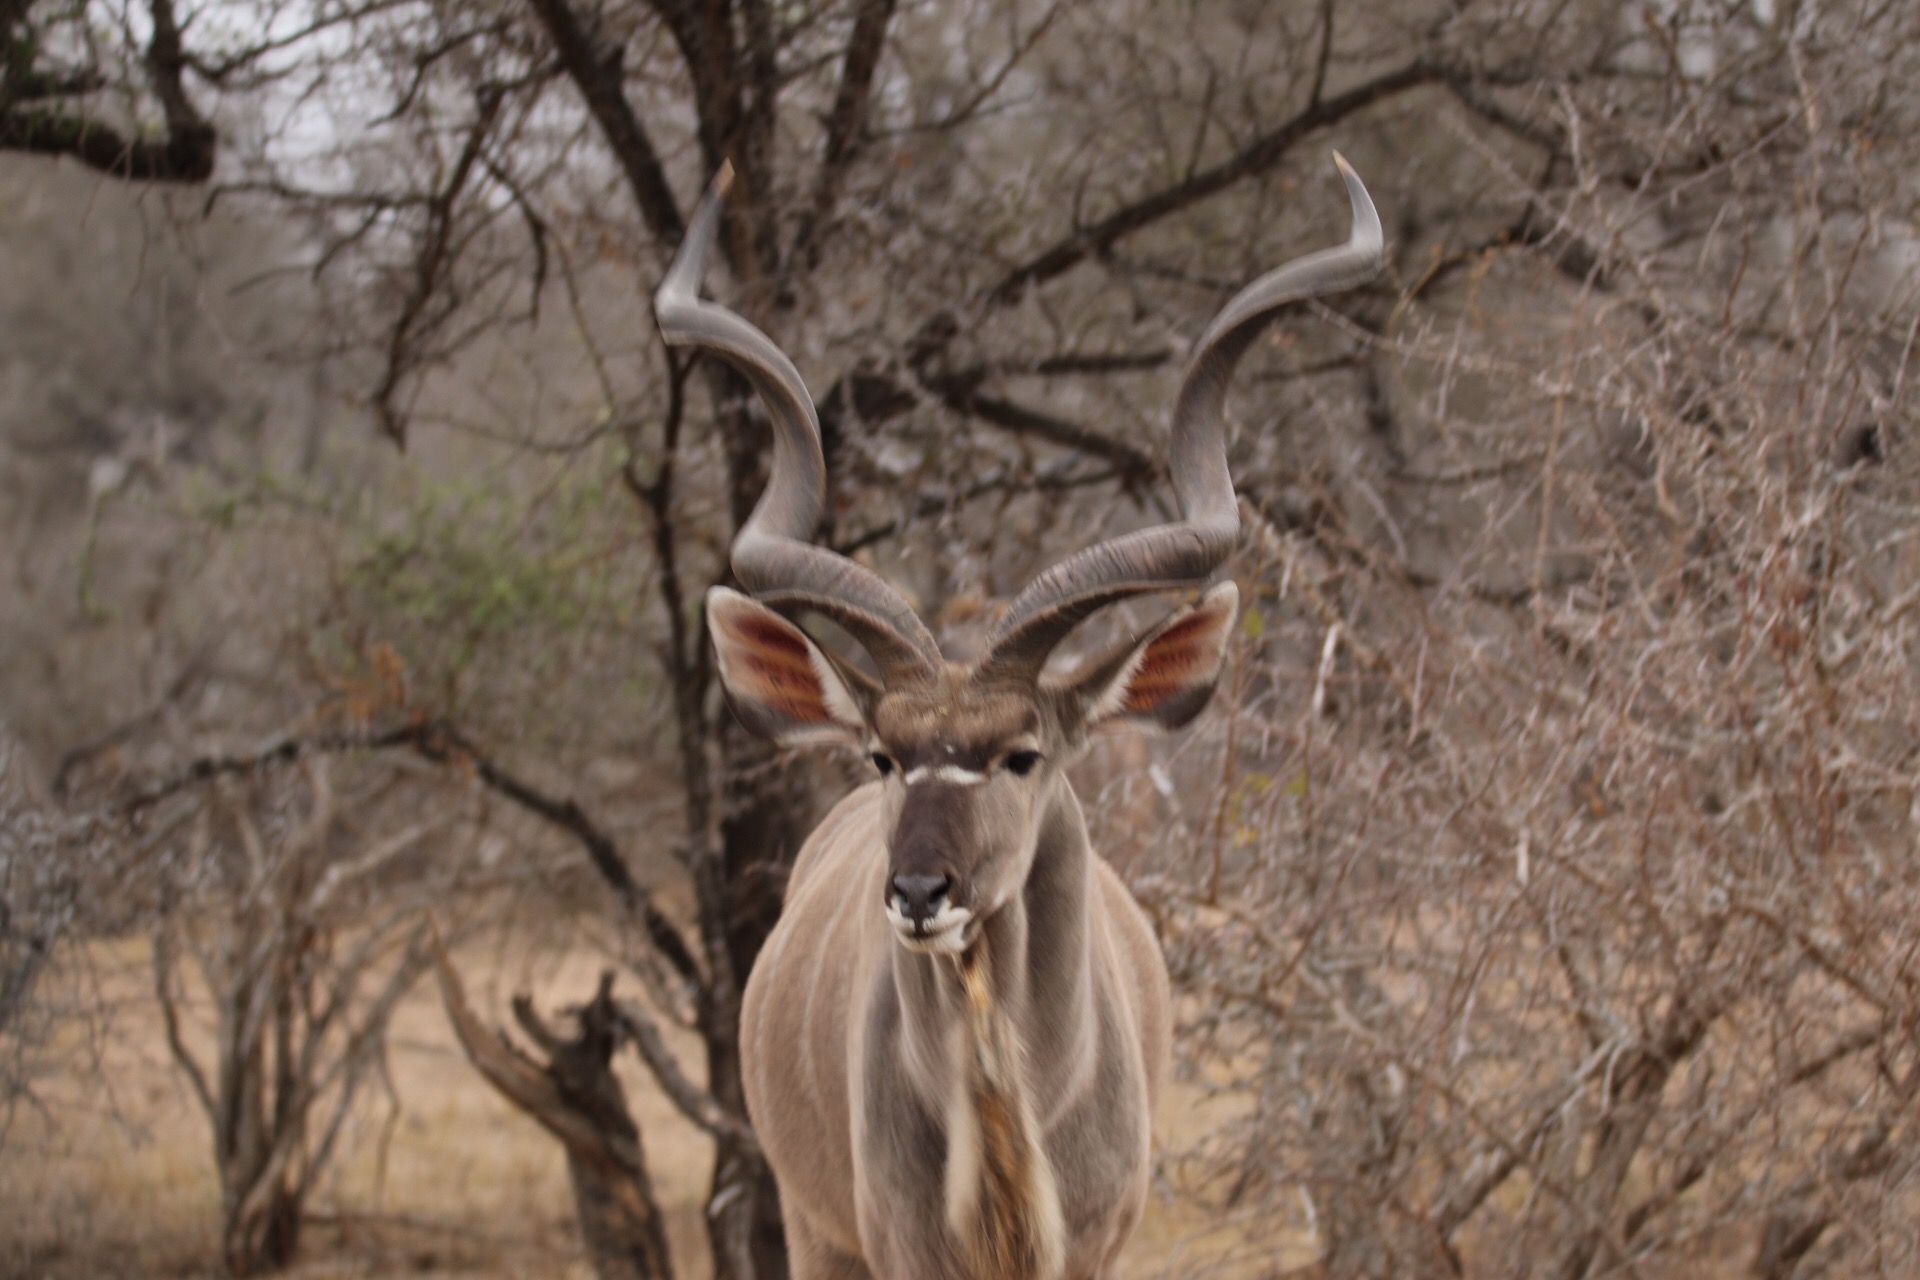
(1006, 1212)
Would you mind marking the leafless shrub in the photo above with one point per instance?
(303, 939)
(35, 910)
(63, 877)
(1552, 909)
(1545, 896)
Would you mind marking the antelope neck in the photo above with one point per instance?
(1038, 955)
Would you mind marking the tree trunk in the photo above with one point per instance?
(768, 810)
(576, 1097)
(262, 1233)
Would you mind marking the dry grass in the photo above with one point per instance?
(111, 1174)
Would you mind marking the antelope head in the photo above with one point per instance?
(969, 754)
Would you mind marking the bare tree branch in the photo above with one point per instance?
(695, 1103)
(430, 266)
(846, 120)
(1258, 156)
(184, 154)
(445, 744)
(595, 70)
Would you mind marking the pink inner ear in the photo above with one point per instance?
(772, 666)
(1178, 658)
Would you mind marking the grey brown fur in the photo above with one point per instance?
(873, 1041)
(954, 1038)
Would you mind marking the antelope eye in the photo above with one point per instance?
(883, 762)
(1021, 763)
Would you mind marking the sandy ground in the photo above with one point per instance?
(113, 1173)
(110, 1173)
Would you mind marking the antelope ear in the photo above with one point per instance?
(779, 683)
(1163, 681)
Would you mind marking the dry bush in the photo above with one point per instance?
(296, 907)
(1550, 908)
(1539, 896)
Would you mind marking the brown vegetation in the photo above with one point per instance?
(1541, 899)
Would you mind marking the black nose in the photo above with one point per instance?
(919, 898)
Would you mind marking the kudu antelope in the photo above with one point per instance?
(954, 1038)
